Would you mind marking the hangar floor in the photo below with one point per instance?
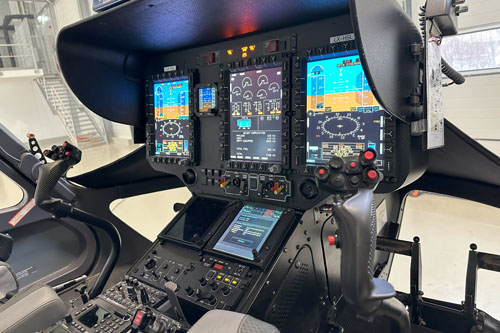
(445, 225)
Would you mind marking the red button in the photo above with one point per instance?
(352, 165)
(372, 174)
(138, 318)
(210, 58)
(331, 240)
(272, 46)
(369, 155)
(218, 266)
(321, 171)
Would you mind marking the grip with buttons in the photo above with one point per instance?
(352, 180)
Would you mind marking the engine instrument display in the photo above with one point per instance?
(249, 230)
(255, 115)
(343, 116)
(171, 107)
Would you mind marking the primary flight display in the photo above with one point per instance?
(343, 116)
(171, 107)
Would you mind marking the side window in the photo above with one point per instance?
(49, 109)
(446, 227)
(149, 213)
(10, 193)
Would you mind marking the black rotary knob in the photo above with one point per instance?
(213, 285)
(212, 300)
(189, 291)
(226, 291)
(203, 282)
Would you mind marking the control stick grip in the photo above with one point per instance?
(356, 218)
(47, 180)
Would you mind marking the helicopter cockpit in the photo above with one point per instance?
(291, 123)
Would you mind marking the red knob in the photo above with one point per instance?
(372, 174)
(369, 155)
(331, 240)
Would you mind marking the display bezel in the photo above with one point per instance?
(212, 112)
(150, 119)
(333, 56)
(273, 241)
(299, 125)
(249, 64)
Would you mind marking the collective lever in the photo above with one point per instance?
(170, 289)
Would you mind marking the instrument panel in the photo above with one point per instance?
(250, 118)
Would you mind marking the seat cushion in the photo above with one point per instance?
(216, 321)
(32, 309)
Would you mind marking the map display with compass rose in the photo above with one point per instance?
(171, 100)
(343, 116)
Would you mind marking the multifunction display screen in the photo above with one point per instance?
(207, 99)
(343, 116)
(171, 102)
(249, 230)
(255, 120)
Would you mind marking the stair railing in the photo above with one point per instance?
(56, 104)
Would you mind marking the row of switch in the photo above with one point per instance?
(227, 279)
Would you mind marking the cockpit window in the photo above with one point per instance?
(446, 227)
(33, 94)
(476, 52)
(10, 193)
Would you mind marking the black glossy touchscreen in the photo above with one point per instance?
(196, 219)
(94, 316)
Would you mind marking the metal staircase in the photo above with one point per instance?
(83, 128)
(30, 44)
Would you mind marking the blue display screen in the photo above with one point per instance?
(249, 230)
(207, 100)
(171, 104)
(343, 116)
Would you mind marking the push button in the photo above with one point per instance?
(219, 276)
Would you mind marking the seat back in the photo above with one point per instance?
(32, 309)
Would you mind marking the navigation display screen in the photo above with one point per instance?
(171, 102)
(207, 99)
(255, 120)
(343, 116)
(249, 230)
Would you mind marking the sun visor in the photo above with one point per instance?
(386, 35)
